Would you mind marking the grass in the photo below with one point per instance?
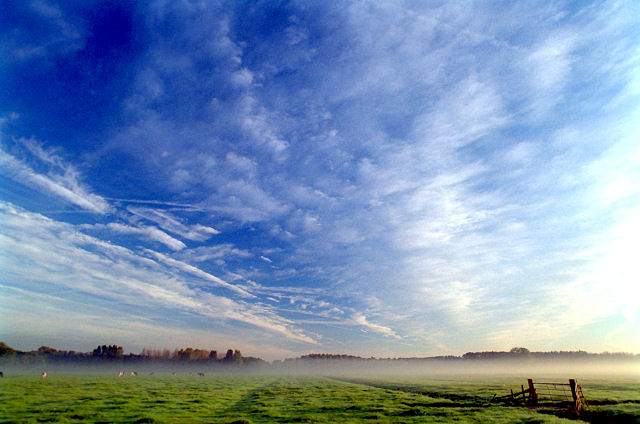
(274, 399)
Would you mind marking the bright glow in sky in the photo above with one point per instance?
(373, 178)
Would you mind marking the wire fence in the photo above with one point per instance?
(554, 392)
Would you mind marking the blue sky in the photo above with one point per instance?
(373, 178)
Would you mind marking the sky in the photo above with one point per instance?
(364, 177)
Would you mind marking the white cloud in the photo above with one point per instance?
(242, 165)
(183, 266)
(468, 111)
(64, 36)
(65, 185)
(548, 69)
(42, 254)
(242, 78)
(170, 223)
(147, 232)
(361, 320)
(218, 251)
(521, 153)
(247, 202)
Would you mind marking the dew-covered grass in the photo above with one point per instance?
(280, 399)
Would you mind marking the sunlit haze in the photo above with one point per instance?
(385, 179)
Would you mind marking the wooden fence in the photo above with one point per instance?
(567, 395)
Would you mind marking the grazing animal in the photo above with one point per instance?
(44, 375)
(1, 374)
(121, 374)
(173, 373)
(201, 374)
(151, 373)
(133, 373)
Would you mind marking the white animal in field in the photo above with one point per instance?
(44, 375)
(121, 374)
(133, 373)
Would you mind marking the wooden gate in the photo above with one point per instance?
(543, 394)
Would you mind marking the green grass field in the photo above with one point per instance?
(274, 399)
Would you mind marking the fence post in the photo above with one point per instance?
(533, 396)
(572, 383)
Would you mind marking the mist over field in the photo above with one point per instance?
(461, 370)
(622, 366)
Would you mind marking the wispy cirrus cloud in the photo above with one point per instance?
(168, 222)
(427, 170)
(361, 320)
(89, 266)
(198, 272)
(63, 36)
(87, 325)
(61, 180)
(548, 68)
(147, 232)
(214, 252)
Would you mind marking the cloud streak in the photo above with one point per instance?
(96, 268)
(168, 222)
(146, 232)
(65, 185)
(361, 320)
(198, 272)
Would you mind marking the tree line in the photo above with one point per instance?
(517, 353)
(113, 353)
(524, 353)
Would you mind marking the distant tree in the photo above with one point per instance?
(47, 350)
(6, 350)
(200, 354)
(523, 351)
(184, 354)
(213, 355)
(108, 352)
(237, 357)
(229, 355)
